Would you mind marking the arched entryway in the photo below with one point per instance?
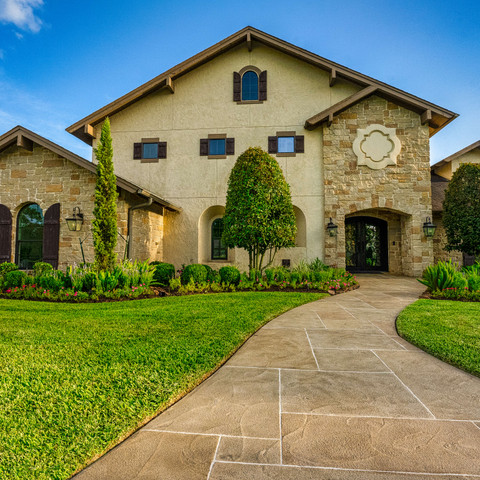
(366, 244)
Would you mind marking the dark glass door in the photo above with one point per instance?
(366, 244)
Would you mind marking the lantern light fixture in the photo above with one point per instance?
(332, 228)
(429, 228)
(75, 222)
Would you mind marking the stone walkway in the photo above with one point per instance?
(325, 391)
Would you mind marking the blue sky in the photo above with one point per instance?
(61, 59)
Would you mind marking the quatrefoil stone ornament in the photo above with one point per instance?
(376, 146)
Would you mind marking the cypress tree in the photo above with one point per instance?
(105, 210)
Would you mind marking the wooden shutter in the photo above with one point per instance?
(237, 87)
(5, 234)
(299, 144)
(272, 144)
(262, 88)
(51, 235)
(162, 149)
(137, 151)
(230, 146)
(204, 146)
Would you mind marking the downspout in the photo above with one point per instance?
(130, 221)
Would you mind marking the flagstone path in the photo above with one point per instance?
(325, 391)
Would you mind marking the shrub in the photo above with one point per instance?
(163, 273)
(473, 282)
(230, 275)
(440, 276)
(6, 267)
(42, 267)
(16, 278)
(212, 275)
(196, 272)
(52, 280)
(317, 265)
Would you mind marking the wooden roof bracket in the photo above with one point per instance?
(333, 77)
(249, 41)
(426, 117)
(330, 119)
(89, 130)
(25, 143)
(169, 84)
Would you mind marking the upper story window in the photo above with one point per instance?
(217, 145)
(149, 150)
(286, 144)
(250, 85)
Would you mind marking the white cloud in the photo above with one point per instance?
(21, 13)
(19, 35)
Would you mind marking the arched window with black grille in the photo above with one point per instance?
(29, 244)
(219, 250)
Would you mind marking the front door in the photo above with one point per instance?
(366, 244)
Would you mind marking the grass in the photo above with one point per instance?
(446, 329)
(75, 379)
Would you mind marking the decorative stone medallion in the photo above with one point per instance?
(376, 146)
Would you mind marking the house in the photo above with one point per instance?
(442, 172)
(354, 150)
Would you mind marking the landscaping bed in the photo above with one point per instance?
(76, 379)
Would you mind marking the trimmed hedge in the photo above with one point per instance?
(198, 273)
(164, 272)
(230, 275)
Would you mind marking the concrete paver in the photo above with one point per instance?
(325, 391)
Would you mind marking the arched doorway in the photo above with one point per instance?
(29, 245)
(366, 244)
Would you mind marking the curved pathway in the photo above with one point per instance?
(325, 391)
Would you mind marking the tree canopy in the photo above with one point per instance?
(105, 210)
(461, 210)
(259, 214)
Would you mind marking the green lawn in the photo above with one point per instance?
(448, 330)
(74, 379)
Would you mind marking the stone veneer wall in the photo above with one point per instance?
(403, 189)
(439, 242)
(45, 178)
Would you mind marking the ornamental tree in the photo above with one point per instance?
(259, 214)
(461, 210)
(105, 210)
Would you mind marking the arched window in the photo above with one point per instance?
(29, 248)
(219, 250)
(250, 86)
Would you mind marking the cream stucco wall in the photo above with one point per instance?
(203, 104)
(450, 168)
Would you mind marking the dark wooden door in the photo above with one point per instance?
(366, 243)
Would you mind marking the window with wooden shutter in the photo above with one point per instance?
(149, 150)
(137, 151)
(262, 88)
(299, 144)
(162, 149)
(5, 234)
(204, 146)
(237, 87)
(230, 146)
(272, 144)
(51, 235)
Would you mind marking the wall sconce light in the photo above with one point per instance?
(429, 228)
(75, 223)
(332, 228)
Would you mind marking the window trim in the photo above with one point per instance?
(229, 146)
(150, 140)
(289, 133)
(242, 71)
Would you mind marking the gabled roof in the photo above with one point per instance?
(437, 117)
(22, 137)
(471, 147)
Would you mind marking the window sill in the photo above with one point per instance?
(216, 156)
(286, 154)
(149, 160)
(249, 102)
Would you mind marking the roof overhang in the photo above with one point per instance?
(24, 138)
(437, 117)
(465, 150)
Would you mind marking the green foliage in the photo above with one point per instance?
(41, 267)
(212, 275)
(440, 276)
(163, 273)
(16, 278)
(461, 210)
(259, 215)
(230, 275)
(6, 267)
(52, 280)
(195, 271)
(104, 225)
